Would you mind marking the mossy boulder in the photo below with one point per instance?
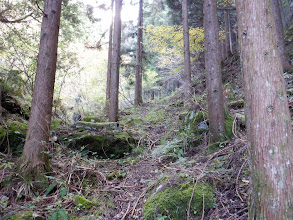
(194, 122)
(111, 145)
(12, 136)
(173, 202)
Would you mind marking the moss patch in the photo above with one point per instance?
(173, 202)
(93, 119)
(26, 215)
(229, 119)
(83, 203)
(155, 115)
(12, 135)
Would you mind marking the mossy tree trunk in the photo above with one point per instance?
(187, 68)
(113, 111)
(213, 71)
(139, 49)
(269, 133)
(34, 161)
(110, 50)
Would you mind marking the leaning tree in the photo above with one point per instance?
(34, 160)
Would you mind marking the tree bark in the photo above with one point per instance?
(0, 103)
(280, 33)
(34, 160)
(227, 33)
(139, 49)
(187, 68)
(213, 71)
(267, 114)
(113, 111)
(110, 50)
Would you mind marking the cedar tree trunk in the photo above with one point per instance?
(213, 71)
(268, 121)
(187, 69)
(0, 103)
(280, 33)
(113, 111)
(110, 49)
(34, 160)
(139, 49)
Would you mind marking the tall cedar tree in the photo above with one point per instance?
(187, 69)
(34, 160)
(139, 49)
(110, 50)
(113, 111)
(213, 71)
(269, 134)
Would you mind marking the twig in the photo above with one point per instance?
(242, 210)
(238, 179)
(44, 14)
(126, 213)
(202, 216)
(140, 196)
(197, 179)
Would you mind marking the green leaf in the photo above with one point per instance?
(63, 192)
(51, 187)
(59, 215)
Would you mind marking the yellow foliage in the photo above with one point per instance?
(226, 3)
(168, 40)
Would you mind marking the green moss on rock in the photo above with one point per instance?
(94, 119)
(26, 215)
(111, 145)
(12, 135)
(173, 201)
(236, 104)
(83, 203)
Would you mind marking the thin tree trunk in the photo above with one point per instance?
(213, 71)
(230, 33)
(113, 111)
(282, 14)
(34, 160)
(227, 33)
(110, 50)
(0, 103)
(280, 33)
(268, 123)
(287, 12)
(187, 69)
(139, 49)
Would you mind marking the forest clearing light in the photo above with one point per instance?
(129, 10)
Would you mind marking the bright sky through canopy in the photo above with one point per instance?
(129, 9)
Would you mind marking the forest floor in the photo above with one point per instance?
(171, 151)
(164, 156)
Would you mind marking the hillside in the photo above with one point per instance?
(170, 153)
